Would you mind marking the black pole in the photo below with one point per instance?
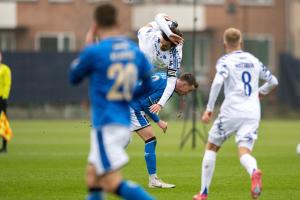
(194, 72)
(194, 131)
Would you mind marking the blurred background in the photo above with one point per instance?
(40, 38)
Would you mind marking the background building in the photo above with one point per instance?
(56, 29)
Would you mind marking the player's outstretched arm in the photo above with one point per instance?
(268, 86)
(162, 20)
(206, 117)
(170, 87)
(91, 34)
(213, 95)
(81, 67)
(163, 125)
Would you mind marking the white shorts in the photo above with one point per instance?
(138, 120)
(245, 129)
(107, 151)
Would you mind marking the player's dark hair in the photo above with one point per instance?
(189, 78)
(106, 15)
(174, 28)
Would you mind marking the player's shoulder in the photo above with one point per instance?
(4, 66)
(159, 76)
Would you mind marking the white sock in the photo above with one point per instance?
(153, 176)
(249, 163)
(208, 167)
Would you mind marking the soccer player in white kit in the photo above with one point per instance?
(161, 41)
(240, 72)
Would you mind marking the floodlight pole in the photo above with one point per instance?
(194, 131)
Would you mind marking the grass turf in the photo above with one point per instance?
(46, 160)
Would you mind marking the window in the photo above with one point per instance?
(260, 46)
(256, 2)
(7, 41)
(202, 54)
(62, 42)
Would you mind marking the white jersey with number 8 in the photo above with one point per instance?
(241, 71)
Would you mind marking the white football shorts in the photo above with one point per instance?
(138, 120)
(245, 131)
(107, 151)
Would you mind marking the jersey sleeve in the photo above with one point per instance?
(147, 33)
(144, 75)
(175, 61)
(170, 87)
(81, 66)
(222, 68)
(271, 80)
(153, 116)
(214, 91)
(264, 72)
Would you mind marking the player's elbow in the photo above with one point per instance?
(274, 81)
(73, 79)
(161, 16)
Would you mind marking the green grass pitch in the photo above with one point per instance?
(46, 161)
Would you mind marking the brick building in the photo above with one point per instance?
(53, 25)
(60, 25)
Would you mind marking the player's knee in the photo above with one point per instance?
(150, 140)
(244, 150)
(91, 176)
(212, 147)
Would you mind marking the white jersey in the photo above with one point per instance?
(241, 72)
(149, 43)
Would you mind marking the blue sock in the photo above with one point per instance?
(150, 155)
(95, 194)
(131, 191)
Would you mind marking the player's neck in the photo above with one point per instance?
(230, 50)
(109, 33)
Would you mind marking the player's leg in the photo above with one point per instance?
(208, 167)
(148, 136)
(112, 182)
(245, 138)
(106, 158)
(95, 191)
(142, 127)
(220, 131)
(3, 107)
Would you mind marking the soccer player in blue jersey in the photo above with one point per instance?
(140, 107)
(162, 42)
(113, 66)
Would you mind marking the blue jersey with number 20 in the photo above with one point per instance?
(113, 66)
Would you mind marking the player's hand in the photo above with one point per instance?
(206, 117)
(91, 34)
(163, 125)
(155, 108)
(261, 96)
(176, 39)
